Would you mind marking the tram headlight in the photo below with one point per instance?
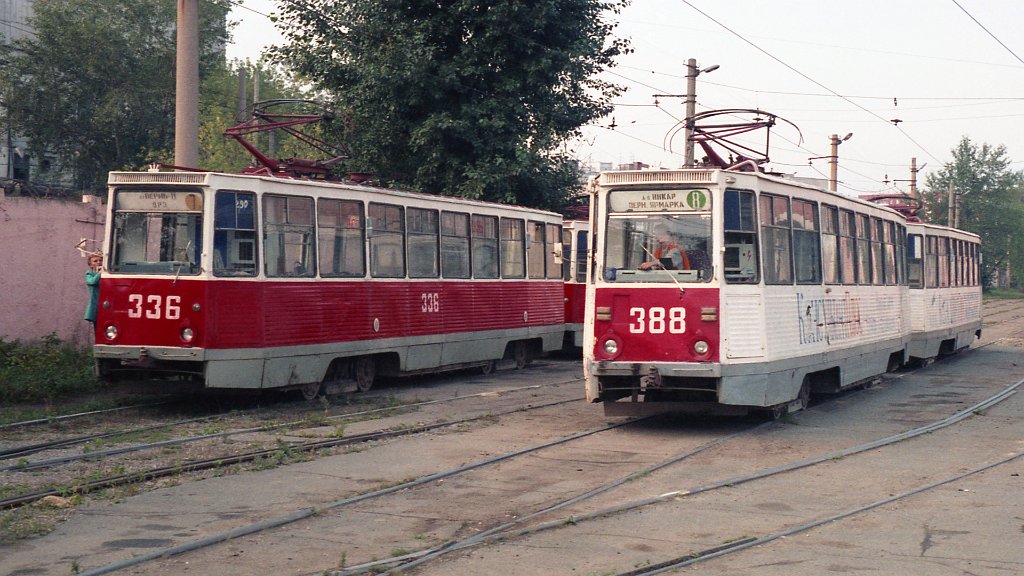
(611, 347)
(187, 335)
(110, 332)
(700, 347)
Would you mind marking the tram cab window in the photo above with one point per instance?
(740, 255)
(554, 250)
(341, 241)
(288, 236)
(581, 255)
(234, 233)
(535, 256)
(157, 231)
(646, 242)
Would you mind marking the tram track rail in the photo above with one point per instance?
(249, 456)
(508, 530)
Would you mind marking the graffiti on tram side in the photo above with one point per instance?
(828, 319)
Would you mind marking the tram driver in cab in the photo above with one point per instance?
(667, 254)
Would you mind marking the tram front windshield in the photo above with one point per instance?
(658, 247)
(156, 232)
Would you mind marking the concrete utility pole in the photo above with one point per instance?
(833, 160)
(186, 99)
(913, 178)
(949, 212)
(691, 106)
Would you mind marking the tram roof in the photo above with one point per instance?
(216, 179)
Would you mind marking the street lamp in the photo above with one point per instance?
(691, 105)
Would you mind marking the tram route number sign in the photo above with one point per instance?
(692, 200)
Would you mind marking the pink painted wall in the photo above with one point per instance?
(42, 274)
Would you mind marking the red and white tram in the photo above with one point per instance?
(575, 250)
(945, 289)
(720, 290)
(241, 281)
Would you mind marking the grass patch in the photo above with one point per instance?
(1004, 294)
(44, 371)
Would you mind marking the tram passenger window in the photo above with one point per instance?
(422, 230)
(387, 241)
(806, 250)
(454, 245)
(831, 269)
(567, 260)
(513, 248)
(943, 244)
(915, 261)
(848, 246)
(863, 249)
(341, 240)
(554, 250)
(234, 234)
(775, 239)
(900, 239)
(535, 249)
(877, 254)
(889, 252)
(288, 236)
(740, 262)
(485, 246)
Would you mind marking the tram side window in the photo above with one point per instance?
(513, 262)
(566, 261)
(485, 246)
(931, 262)
(553, 251)
(877, 253)
(422, 229)
(848, 246)
(831, 269)
(387, 241)
(915, 261)
(900, 240)
(943, 262)
(581, 255)
(806, 251)
(454, 245)
(340, 238)
(234, 234)
(863, 249)
(740, 265)
(535, 249)
(288, 236)
(775, 240)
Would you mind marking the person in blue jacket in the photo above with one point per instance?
(92, 282)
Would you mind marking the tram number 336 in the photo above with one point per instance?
(657, 320)
(154, 307)
(430, 302)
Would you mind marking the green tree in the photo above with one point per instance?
(990, 200)
(94, 84)
(471, 98)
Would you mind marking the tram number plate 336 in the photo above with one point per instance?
(657, 320)
(154, 307)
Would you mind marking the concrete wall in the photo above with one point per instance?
(42, 274)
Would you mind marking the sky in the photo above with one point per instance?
(945, 68)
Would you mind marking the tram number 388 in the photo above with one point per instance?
(657, 320)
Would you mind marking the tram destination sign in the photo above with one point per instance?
(690, 200)
(159, 201)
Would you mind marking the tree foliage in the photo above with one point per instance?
(472, 98)
(94, 84)
(991, 202)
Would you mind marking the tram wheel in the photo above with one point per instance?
(310, 391)
(804, 397)
(488, 368)
(520, 354)
(364, 371)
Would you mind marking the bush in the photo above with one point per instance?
(44, 371)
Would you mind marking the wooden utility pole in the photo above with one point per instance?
(186, 97)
